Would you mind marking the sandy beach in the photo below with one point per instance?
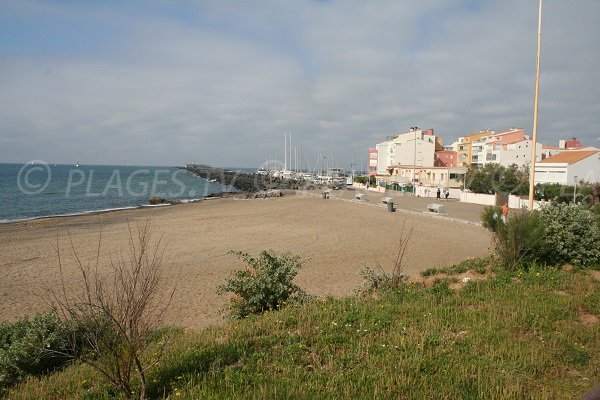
(336, 236)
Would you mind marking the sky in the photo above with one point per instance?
(161, 82)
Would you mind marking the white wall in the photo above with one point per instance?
(518, 202)
(383, 159)
(551, 173)
(431, 191)
(587, 169)
(478, 198)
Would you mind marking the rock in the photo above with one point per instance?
(245, 182)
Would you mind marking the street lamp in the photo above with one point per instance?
(575, 188)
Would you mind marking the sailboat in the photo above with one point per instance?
(76, 163)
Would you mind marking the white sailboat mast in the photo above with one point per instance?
(285, 151)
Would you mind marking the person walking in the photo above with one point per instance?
(438, 194)
(505, 210)
(446, 194)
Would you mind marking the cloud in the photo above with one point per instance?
(219, 82)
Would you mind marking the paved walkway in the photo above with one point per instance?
(465, 212)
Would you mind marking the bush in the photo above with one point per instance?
(520, 240)
(118, 313)
(596, 211)
(559, 233)
(264, 285)
(375, 281)
(33, 347)
(572, 234)
(491, 218)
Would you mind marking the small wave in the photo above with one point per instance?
(191, 200)
(74, 214)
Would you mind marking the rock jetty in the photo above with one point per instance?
(244, 182)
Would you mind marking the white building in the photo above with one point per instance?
(442, 177)
(569, 166)
(512, 153)
(416, 147)
(505, 148)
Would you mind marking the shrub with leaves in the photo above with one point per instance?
(521, 240)
(32, 347)
(491, 218)
(596, 210)
(264, 285)
(572, 234)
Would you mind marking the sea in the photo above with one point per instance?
(38, 189)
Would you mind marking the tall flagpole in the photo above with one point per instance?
(535, 111)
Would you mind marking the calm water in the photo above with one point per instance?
(37, 190)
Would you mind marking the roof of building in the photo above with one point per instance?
(569, 157)
(514, 130)
(480, 133)
(545, 146)
(512, 141)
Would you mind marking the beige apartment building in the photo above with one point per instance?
(464, 147)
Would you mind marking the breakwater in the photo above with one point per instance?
(243, 181)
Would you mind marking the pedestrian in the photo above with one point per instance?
(446, 194)
(438, 194)
(505, 212)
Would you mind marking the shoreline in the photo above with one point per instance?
(168, 203)
(337, 238)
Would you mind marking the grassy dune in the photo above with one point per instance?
(512, 336)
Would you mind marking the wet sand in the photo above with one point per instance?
(335, 236)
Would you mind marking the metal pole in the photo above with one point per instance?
(535, 110)
(284, 151)
(414, 164)
(575, 190)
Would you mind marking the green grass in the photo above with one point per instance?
(477, 265)
(511, 336)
